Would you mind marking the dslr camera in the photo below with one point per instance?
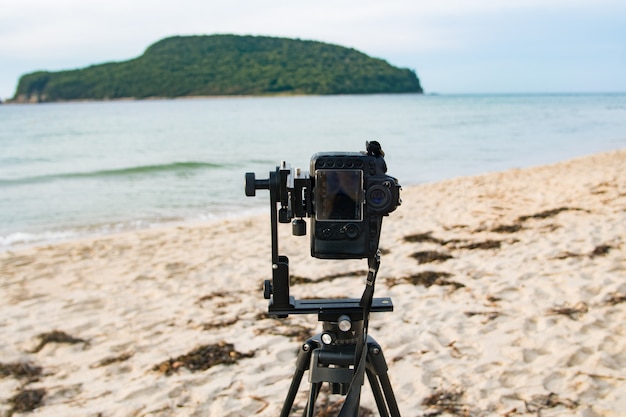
(345, 194)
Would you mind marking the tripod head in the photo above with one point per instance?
(345, 195)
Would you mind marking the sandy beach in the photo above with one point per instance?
(509, 294)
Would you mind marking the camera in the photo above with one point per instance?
(350, 193)
(346, 195)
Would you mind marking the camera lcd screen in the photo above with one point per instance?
(339, 194)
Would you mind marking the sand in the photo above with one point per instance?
(509, 292)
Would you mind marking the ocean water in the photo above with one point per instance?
(74, 169)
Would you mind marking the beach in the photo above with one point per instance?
(509, 293)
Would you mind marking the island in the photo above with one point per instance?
(223, 65)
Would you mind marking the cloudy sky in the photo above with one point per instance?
(455, 46)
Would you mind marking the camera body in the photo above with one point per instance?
(346, 195)
(350, 192)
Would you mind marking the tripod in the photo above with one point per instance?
(330, 357)
(343, 353)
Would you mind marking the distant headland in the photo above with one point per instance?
(223, 65)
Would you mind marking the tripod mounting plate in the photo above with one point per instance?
(330, 307)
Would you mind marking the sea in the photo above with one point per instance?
(69, 170)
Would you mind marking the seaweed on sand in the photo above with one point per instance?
(487, 244)
(427, 279)
(423, 237)
(600, 250)
(540, 402)
(547, 213)
(114, 359)
(573, 312)
(429, 256)
(26, 400)
(203, 358)
(615, 298)
(20, 370)
(56, 336)
(507, 228)
(445, 401)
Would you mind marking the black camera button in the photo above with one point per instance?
(327, 233)
(351, 231)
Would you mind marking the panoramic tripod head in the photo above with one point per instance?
(345, 195)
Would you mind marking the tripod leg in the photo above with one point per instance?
(378, 369)
(378, 394)
(310, 405)
(389, 395)
(302, 364)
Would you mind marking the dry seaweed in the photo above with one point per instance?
(567, 254)
(487, 244)
(114, 359)
(203, 358)
(615, 298)
(445, 401)
(574, 312)
(423, 238)
(600, 250)
(493, 299)
(56, 336)
(540, 402)
(429, 256)
(509, 228)
(547, 213)
(209, 297)
(489, 315)
(219, 324)
(20, 370)
(427, 279)
(26, 400)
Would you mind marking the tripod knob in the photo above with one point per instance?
(298, 227)
(267, 289)
(250, 184)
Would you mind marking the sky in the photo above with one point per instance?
(454, 46)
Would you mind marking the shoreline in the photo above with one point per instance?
(508, 293)
(122, 227)
(280, 95)
(234, 96)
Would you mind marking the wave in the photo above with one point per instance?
(174, 167)
(20, 239)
